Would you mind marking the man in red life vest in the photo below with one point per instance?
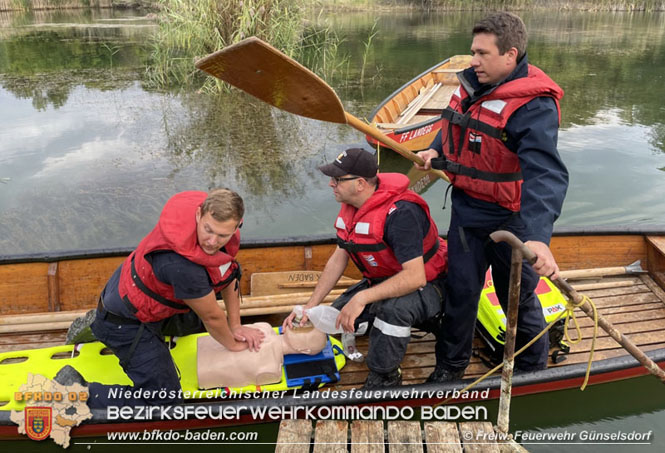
(498, 145)
(178, 267)
(387, 231)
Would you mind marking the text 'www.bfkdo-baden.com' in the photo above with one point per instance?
(156, 435)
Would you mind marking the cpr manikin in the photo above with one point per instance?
(219, 367)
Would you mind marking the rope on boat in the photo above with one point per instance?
(569, 313)
(570, 307)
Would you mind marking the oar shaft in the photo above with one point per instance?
(597, 272)
(399, 149)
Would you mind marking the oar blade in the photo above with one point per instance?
(259, 69)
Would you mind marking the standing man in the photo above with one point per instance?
(179, 266)
(388, 233)
(498, 147)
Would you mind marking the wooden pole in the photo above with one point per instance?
(503, 419)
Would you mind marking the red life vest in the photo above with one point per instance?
(175, 231)
(360, 231)
(475, 157)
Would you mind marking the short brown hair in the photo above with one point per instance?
(509, 30)
(224, 204)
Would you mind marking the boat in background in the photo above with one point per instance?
(412, 114)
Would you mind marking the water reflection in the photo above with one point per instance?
(81, 133)
(88, 155)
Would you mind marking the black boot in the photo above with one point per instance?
(441, 374)
(381, 380)
(69, 376)
(79, 331)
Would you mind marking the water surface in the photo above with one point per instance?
(89, 153)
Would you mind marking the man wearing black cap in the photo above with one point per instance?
(388, 233)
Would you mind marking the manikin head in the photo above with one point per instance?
(303, 340)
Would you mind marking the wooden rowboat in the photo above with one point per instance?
(40, 294)
(412, 114)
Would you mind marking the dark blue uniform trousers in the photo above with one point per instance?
(149, 366)
(470, 252)
(390, 322)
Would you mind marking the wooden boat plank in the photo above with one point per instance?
(80, 280)
(421, 117)
(24, 288)
(583, 356)
(330, 436)
(294, 436)
(603, 342)
(367, 436)
(418, 374)
(618, 316)
(405, 437)
(653, 286)
(31, 340)
(441, 98)
(419, 361)
(422, 363)
(625, 300)
(621, 291)
(656, 253)
(660, 278)
(588, 251)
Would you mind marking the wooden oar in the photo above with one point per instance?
(250, 306)
(628, 345)
(633, 268)
(259, 69)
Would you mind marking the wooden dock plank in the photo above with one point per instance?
(476, 437)
(331, 436)
(367, 436)
(405, 437)
(294, 436)
(442, 437)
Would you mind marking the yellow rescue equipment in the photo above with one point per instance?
(491, 325)
(97, 364)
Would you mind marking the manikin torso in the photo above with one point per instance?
(219, 367)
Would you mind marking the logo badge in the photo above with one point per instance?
(38, 422)
(371, 260)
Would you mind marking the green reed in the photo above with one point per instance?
(513, 5)
(367, 47)
(191, 29)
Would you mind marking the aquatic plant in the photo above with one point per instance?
(191, 29)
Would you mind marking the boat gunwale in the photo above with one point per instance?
(411, 127)
(325, 239)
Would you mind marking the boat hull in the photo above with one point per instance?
(31, 285)
(225, 413)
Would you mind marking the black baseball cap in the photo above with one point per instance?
(353, 161)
